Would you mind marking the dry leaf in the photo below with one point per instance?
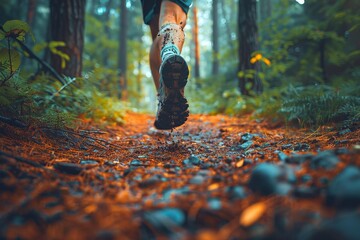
(240, 163)
(213, 186)
(252, 214)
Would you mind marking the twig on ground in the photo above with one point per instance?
(13, 122)
(23, 160)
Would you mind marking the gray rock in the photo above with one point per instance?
(344, 190)
(325, 160)
(301, 147)
(306, 178)
(69, 168)
(304, 191)
(88, 162)
(214, 204)
(286, 146)
(282, 156)
(167, 219)
(283, 188)
(236, 192)
(246, 145)
(197, 179)
(247, 137)
(264, 178)
(344, 227)
(192, 160)
(136, 162)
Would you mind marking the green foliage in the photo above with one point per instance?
(15, 29)
(40, 100)
(317, 105)
(53, 47)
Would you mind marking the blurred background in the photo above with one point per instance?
(285, 60)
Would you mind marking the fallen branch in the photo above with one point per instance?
(34, 56)
(23, 160)
(13, 122)
(46, 66)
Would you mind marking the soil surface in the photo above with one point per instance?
(216, 177)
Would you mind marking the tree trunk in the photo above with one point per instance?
(227, 24)
(196, 42)
(122, 57)
(247, 30)
(107, 31)
(215, 37)
(31, 12)
(67, 25)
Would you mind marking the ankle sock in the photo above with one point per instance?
(169, 50)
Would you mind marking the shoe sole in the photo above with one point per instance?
(174, 112)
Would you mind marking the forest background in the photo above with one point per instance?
(283, 60)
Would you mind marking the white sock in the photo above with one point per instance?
(169, 50)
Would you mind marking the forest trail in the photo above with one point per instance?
(216, 177)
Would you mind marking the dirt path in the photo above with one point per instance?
(214, 178)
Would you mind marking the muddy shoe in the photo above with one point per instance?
(173, 107)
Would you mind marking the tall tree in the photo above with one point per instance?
(215, 37)
(67, 25)
(122, 57)
(227, 24)
(248, 44)
(196, 42)
(107, 31)
(31, 12)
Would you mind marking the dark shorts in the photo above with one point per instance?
(151, 8)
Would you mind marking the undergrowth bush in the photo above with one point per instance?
(322, 104)
(42, 99)
(305, 106)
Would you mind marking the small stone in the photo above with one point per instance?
(283, 188)
(248, 161)
(136, 162)
(197, 179)
(325, 160)
(344, 190)
(282, 156)
(306, 178)
(67, 167)
(167, 219)
(301, 147)
(286, 146)
(343, 226)
(264, 178)
(340, 151)
(246, 145)
(192, 160)
(150, 182)
(303, 191)
(247, 137)
(214, 204)
(236, 192)
(205, 165)
(88, 162)
(168, 193)
(345, 131)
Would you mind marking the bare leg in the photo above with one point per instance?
(170, 13)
